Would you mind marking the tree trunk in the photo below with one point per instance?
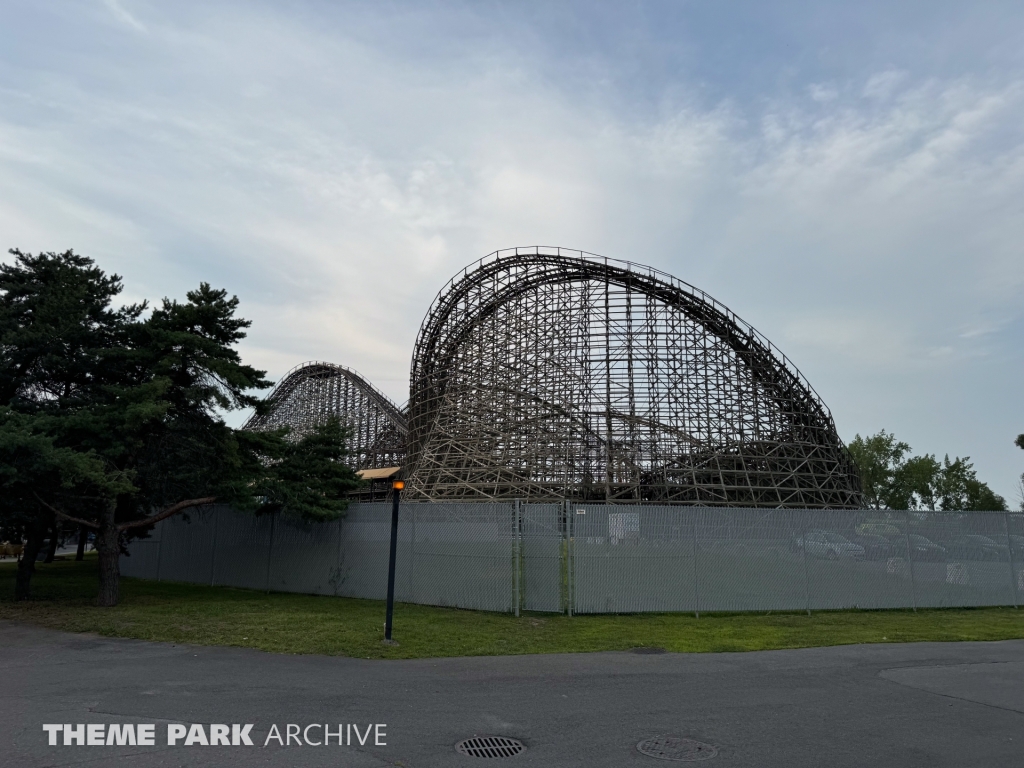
(108, 543)
(51, 551)
(27, 566)
(83, 539)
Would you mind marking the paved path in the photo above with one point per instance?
(928, 705)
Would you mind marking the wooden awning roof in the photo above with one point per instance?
(378, 474)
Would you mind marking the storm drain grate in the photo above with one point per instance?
(675, 748)
(490, 746)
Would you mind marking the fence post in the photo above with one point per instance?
(696, 592)
(516, 554)
(1013, 565)
(910, 561)
(569, 512)
(160, 547)
(341, 551)
(412, 556)
(213, 553)
(807, 580)
(270, 549)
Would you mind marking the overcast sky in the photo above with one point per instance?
(847, 177)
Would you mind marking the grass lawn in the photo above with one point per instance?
(286, 623)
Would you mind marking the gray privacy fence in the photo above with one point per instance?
(595, 558)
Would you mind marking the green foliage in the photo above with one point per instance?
(957, 487)
(110, 416)
(917, 477)
(57, 327)
(31, 463)
(880, 458)
(105, 405)
(308, 477)
(1019, 442)
(191, 345)
(56, 321)
(893, 479)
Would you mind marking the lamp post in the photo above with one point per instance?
(396, 491)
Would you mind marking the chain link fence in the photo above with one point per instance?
(597, 558)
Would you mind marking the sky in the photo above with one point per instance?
(847, 177)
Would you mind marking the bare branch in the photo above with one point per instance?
(169, 512)
(86, 523)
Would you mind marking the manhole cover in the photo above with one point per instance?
(649, 649)
(675, 748)
(490, 746)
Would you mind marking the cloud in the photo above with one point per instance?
(123, 16)
(335, 172)
(882, 84)
(822, 92)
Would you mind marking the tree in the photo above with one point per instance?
(1019, 442)
(307, 477)
(161, 428)
(139, 435)
(917, 476)
(957, 488)
(56, 322)
(55, 319)
(30, 464)
(893, 480)
(880, 459)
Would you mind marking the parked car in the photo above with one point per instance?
(924, 550)
(828, 546)
(875, 547)
(975, 547)
(1017, 542)
(878, 529)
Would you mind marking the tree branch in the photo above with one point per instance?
(169, 512)
(86, 523)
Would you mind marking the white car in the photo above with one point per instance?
(829, 546)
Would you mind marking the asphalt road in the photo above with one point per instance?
(928, 705)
